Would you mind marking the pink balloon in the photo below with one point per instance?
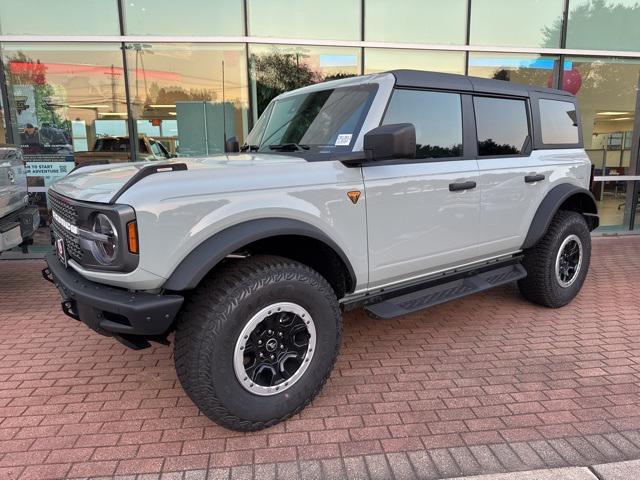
(571, 81)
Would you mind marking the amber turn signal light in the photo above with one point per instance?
(132, 237)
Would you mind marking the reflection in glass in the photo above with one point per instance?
(606, 92)
(3, 127)
(59, 91)
(501, 125)
(437, 118)
(69, 17)
(318, 121)
(600, 25)
(404, 21)
(279, 68)
(534, 23)
(187, 17)
(60, 94)
(190, 98)
(613, 203)
(529, 69)
(383, 59)
(559, 122)
(328, 19)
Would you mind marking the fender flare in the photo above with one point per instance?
(550, 205)
(210, 252)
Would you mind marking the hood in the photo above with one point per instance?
(99, 183)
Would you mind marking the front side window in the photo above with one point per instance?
(502, 126)
(319, 121)
(559, 122)
(436, 116)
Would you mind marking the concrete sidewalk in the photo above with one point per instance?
(608, 471)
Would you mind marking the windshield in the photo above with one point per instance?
(322, 122)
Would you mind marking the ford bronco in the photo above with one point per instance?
(392, 192)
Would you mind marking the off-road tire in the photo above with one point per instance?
(541, 285)
(211, 322)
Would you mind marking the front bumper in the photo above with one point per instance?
(112, 311)
(18, 226)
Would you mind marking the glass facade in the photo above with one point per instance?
(329, 19)
(382, 59)
(404, 21)
(509, 23)
(278, 68)
(191, 98)
(186, 17)
(83, 81)
(604, 25)
(44, 17)
(532, 69)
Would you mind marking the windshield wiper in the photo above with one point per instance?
(249, 148)
(288, 147)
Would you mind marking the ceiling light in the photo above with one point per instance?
(88, 106)
(613, 113)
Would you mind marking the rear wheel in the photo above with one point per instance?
(256, 341)
(558, 264)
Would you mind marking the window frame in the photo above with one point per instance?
(469, 147)
(538, 144)
(528, 112)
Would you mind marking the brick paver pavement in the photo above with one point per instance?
(489, 383)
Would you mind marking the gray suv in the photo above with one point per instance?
(392, 192)
(18, 219)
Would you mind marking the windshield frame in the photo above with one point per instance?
(316, 152)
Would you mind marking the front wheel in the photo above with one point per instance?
(256, 341)
(558, 264)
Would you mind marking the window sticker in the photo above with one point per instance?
(343, 139)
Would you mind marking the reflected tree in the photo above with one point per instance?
(23, 70)
(490, 147)
(277, 72)
(610, 23)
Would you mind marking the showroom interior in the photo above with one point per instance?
(194, 75)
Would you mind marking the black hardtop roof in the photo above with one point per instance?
(450, 81)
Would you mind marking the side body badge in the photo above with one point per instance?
(354, 196)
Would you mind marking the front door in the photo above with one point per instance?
(423, 213)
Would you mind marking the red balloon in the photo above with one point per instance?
(571, 81)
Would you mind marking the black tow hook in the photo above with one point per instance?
(69, 310)
(47, 275)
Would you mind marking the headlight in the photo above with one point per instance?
(105, 242)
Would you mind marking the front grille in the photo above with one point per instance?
(63, 208)
(68, 212)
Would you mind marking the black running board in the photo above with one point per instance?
(430, 296)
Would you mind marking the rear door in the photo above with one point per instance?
(512, 178)
(423, 213)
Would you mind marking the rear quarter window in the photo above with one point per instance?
(558, 122)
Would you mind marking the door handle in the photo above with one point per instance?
(534, 178)
(456, 187)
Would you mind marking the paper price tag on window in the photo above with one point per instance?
(343, 139)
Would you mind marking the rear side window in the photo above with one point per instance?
(501, 125)
(437, 117)
(558, 122)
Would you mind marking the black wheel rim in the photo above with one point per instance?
(274, 348)
(568, 261)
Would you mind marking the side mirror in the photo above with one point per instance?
(387, 142)
(231, 145)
